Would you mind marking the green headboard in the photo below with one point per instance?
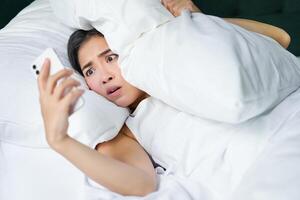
(9, 9)
(281, 13)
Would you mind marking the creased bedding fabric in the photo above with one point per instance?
(207, 160)
(171, 187)
(258, 159)
(196, 63)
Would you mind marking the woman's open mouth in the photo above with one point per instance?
(113, 91)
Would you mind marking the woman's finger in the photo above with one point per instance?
(72, 97)
(177, 9)
(44, 75)
(52, 81)
(64, 86)
(167, 5)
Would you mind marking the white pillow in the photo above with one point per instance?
(212, 69)
(21, 41)
(122, 20)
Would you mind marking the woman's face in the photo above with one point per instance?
(102, 73)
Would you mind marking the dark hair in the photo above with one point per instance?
(75, 41)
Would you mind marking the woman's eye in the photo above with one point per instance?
(111, 58)
(89, 72)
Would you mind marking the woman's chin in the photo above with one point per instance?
(122, 103)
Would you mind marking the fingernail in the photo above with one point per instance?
(46, 60)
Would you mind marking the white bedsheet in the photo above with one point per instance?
(170, 187)
(37, 174)
(276, 173)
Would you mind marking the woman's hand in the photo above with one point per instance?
(176, 6)
(56, 102)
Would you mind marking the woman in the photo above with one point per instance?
(120, 164)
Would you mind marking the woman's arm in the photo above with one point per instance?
(128, 170)
(122, 165)
(278, 34)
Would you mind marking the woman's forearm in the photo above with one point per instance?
(274, 32)
(111, 173)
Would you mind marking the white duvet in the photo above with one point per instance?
(257, 160)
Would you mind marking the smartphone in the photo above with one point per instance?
(56, 66)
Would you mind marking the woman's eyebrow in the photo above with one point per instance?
(104, 52)
(99, 55)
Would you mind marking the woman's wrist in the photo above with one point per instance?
(59, 144)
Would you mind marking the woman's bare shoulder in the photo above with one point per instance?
(126, 149)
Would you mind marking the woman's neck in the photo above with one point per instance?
(133, 106)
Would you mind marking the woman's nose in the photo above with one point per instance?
(107, 79)
(106, 76)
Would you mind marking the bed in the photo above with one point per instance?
(40, 173)
(32, 171)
